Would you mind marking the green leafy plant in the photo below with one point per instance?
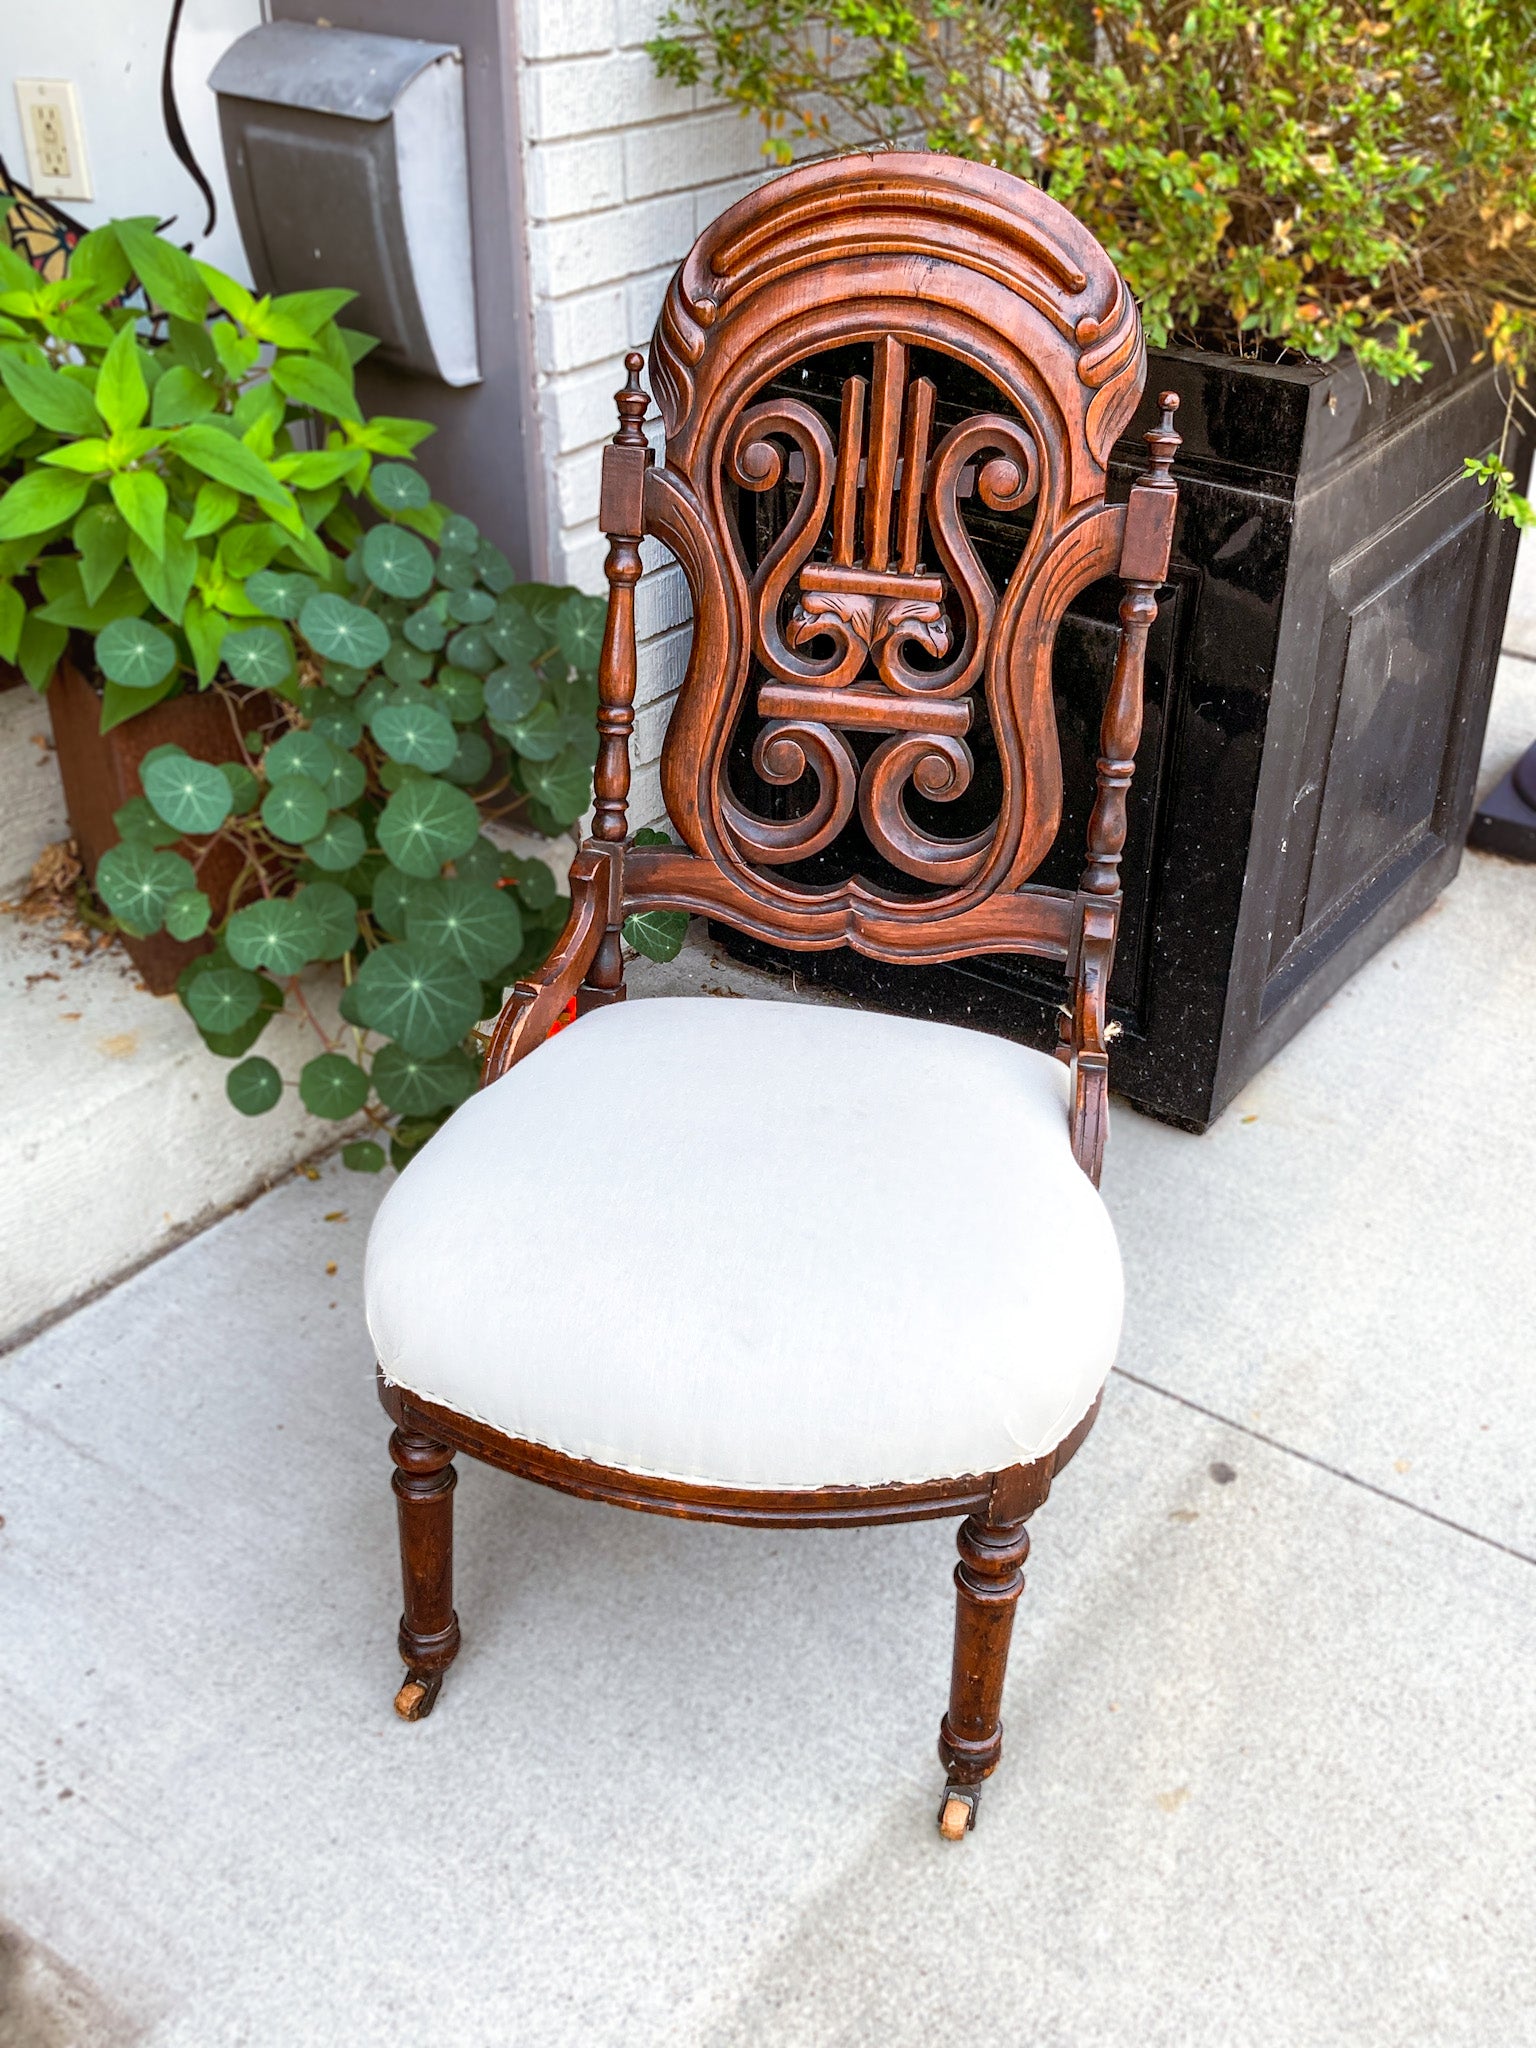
(196, 499)
(169, 434)
(359, 848)
(1269, 175)
(658, 934)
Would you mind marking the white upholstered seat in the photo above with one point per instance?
(756, 1244)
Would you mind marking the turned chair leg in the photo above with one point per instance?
(988, 1581)
(429, 1629)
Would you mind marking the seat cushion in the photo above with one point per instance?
(756, 1244)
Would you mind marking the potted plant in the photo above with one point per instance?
(1328, 215)
(288, 687)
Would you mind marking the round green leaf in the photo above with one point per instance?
(424, 1000)
(460, 536)
(480, 862)
(495, 569)
(346, 782)
(138, 819)
(538, 737)
(396, 562)
(471, 607)
(340, 846)
(402, 693)
(658, 934)
(341, 729)
(346, 682)
(333, 1086)
(459, 693)
(426, 823)
(472, 760)
(299, 753)
(280, 934)
(517, 635)
(334, 912)
(259, 657)
(137, 883)
(135, 653)
(393, 894)
(363, 1156)
(294, 809)
(254, 1086)
(223, 999)
(187, 915)
(477, 924)
(563, 786)
(244, 787)
(416, 735)
(376, 692)
(535, 884)
(579, 630)
(191, 795)
(457, 572)
(469, 648)
(426, 629)
(343, 632)
(397, 488)
(405, 664)
(511, 692)
(281, 593)
(416, 1086)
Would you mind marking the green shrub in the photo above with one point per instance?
(1311, 176)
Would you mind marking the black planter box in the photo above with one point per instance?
(1317, 688)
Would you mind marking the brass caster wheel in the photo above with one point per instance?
(417, 1697)
(957, 1814)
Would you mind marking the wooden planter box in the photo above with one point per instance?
(100, 772)
(1317, 688)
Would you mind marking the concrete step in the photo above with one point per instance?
(117, 1135)
(31, 795)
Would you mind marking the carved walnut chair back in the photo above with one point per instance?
(871, 613)
(853, 660)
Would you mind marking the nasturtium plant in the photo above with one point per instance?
(659, 934)
(193, 492)
(359, 817)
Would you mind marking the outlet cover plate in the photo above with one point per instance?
(50, 127)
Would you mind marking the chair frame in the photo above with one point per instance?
(1010, 284)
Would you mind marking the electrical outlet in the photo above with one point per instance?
(50, 128)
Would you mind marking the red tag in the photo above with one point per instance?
(566, 1016)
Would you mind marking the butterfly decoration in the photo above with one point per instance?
(37, 228)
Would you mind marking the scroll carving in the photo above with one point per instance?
(903, 645)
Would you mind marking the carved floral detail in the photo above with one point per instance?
(877, 625)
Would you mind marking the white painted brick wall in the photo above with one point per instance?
(621, 171)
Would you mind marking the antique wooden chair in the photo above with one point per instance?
(732, 1298)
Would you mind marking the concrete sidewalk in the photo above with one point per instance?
(1271, 1711)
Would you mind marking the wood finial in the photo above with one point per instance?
(1164, 443)
(633, 403)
